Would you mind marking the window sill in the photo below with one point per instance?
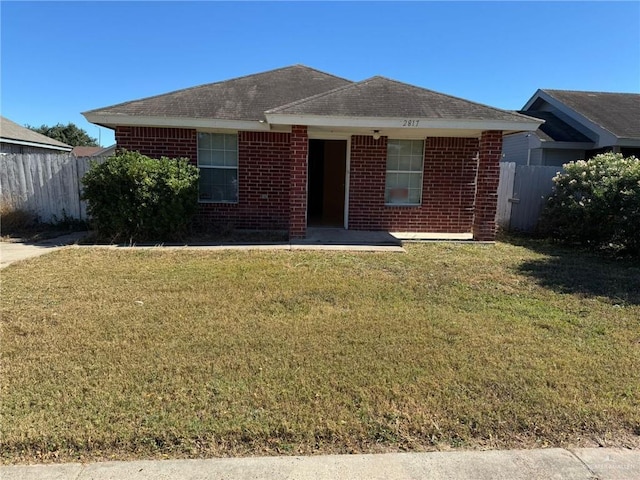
(402, 204)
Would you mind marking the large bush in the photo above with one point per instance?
(596, 203)
(133, 197)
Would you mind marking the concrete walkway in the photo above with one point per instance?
(11, 252)
(318, 239)
(553, 463)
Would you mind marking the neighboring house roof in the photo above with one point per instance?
(555, 130)
(619, 113)
(85, 151)
(608, 119)
(305, 96)
(11, 132)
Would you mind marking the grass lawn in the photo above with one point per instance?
(146, 354)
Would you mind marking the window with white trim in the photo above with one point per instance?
(218, 164)
(404, 172)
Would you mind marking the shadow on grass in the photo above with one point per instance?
(577, 271)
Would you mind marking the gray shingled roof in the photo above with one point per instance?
(618, 113)
(12, 131)
(554, 129)
(244, 98)
(382, 97)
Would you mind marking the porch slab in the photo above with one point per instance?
(432, 236)
(339, 236)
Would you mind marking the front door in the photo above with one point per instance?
(326, 192)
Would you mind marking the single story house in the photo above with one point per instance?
(296, 147)
(15, 138)
(577, 126)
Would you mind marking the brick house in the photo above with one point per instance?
(296, 147)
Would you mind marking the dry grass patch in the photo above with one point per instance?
(122, 354)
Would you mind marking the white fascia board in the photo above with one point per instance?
(408, 123)
(35, 144)
(114, 120)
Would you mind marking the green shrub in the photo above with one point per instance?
(133, 197)
(596, 203)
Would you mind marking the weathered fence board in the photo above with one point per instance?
(522, 193)
(48, 185)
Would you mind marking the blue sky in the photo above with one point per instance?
(62, 58)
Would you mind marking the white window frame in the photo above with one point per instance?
(404, 171)
(218, 167)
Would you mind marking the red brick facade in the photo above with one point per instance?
(157, 142)
(484, 222)
(459, 193)
(448, 187)
(298, 179)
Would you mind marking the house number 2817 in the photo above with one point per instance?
(410, 123)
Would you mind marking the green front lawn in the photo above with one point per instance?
(142, 354)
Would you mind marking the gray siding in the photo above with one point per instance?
(557, 157)
(515, 148)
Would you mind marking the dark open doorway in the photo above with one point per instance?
(327, 168)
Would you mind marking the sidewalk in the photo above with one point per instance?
(11, 252)
(553, 463)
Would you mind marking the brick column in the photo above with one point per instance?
(298, 182)
(484, 221)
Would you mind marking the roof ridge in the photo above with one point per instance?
(587, 91)
(129, 102)
(313, 97)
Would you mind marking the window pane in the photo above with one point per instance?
(392, 162)
(217, 158)
(204, 157)
(217, 141)
(393, 148)
(416, 164)
(403, 180)
(414, 196)
(392, 181)
(404, 163)
(231, 159)
(405, 147)
(415, 181)
(219, 185)
(397, 195)
(204, 140)
(231, 142)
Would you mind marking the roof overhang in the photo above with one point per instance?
(428, 126)
(388, 126)
(114, 120)
(35, 144)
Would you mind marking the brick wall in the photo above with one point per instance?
(263, 173)
(157, 142)
(263, 183)
(484, 222)
(448, 187)
(298, 192)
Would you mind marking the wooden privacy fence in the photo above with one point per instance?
(521, 195)
(48, 185)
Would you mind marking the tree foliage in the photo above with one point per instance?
(596, 203)
(70, 134)
(132, 197)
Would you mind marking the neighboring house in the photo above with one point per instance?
(17, 139)
(578, 125)
(94, 151)
(296, 147)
